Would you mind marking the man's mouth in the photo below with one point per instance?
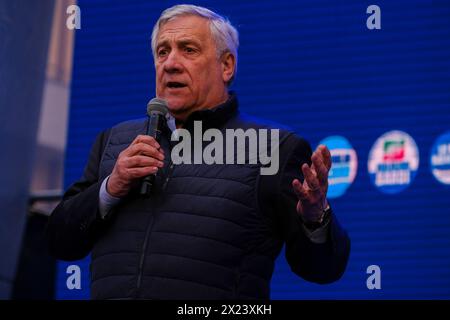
(175, 85)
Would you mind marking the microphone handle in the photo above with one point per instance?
(155, 123)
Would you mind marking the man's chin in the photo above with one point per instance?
(176, 106)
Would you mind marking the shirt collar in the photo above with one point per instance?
(171, 122)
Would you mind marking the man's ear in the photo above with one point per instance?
(228, 66)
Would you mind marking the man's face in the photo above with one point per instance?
(189, 75)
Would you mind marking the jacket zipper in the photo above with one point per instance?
(143, 254)
(169, 174)
(147, 235)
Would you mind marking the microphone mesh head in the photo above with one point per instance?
(157, 105)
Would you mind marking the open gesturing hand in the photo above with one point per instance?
(312, 193)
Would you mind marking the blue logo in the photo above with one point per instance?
(344, 167)
(440, 158)
(393, 161)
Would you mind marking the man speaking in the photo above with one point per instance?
(196, 230)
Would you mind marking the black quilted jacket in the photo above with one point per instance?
(206, 232)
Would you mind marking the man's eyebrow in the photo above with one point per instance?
(187, 41)
(163, 43)
(180, 42)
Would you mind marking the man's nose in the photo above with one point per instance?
(172, 63)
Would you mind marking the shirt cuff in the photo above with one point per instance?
(319, 235)
(106, 201)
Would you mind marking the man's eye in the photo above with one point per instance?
(162, 52)
(189, 50)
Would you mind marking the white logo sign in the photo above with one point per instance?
(393, 161)
(440, 158)
(344, 165)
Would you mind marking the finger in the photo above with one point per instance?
(146, 139)
(145, 149)
(143, 161)
(142, 149)
(299, 190)
(310, 178)
(135, 173)
(326, 156)
(319, 168)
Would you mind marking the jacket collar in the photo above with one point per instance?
(215, 117)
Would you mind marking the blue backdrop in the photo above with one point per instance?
(315, 66)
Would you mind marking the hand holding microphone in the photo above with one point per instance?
(142, 158)
(156, 111)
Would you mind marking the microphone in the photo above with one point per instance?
(156, 112)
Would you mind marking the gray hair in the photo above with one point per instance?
(224, 34)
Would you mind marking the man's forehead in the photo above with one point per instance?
(185, 27)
